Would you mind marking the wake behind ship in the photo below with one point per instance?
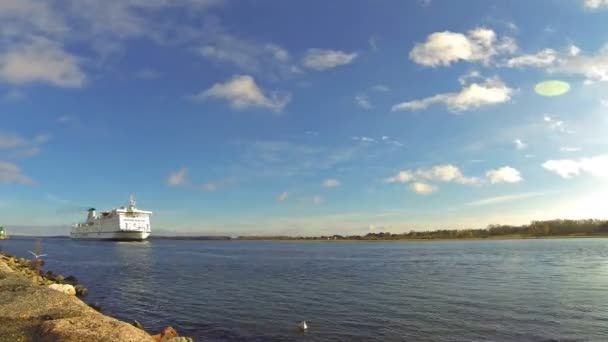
(120, 224)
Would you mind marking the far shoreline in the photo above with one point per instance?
(311, 240)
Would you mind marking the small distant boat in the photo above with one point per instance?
(3, 233)
(120, 224)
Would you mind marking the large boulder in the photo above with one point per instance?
(64, 288)
(91, 328)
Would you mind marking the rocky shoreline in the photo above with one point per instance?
(38, 306)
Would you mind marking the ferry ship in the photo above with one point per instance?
(120, 224)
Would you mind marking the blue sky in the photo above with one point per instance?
(310, 117)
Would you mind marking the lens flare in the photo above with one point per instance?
(552, 88)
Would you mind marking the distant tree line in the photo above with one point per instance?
(588, 227)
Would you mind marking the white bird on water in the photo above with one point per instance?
(37, 256)
(302, 326)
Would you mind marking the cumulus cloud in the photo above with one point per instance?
(242, 92)
(519, 144)
(178, 178)
(283, 196)
(422, 188)
(490, 91)
(445, 48)
(505, 174)
(402, 177)
(443, 173)
(331, 183)
(10, 173)
(321, 59)
(41, 60)
(567, 168)
(448, 173)
(363, 101)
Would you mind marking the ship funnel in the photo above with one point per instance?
(92, 214)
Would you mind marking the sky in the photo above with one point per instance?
(248, 117)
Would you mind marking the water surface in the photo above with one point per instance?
(511, 290)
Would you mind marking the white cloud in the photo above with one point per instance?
(13, 95)
(555, 124)
(373, 44)
(543, 58)
(505, 174)
(593, 67)
(316, 199)
(380, 88)
(283, 196)
(149, 74)
(278, 52)
(34, 17)
(595, 4)
(215, 185)
(41, 60)
(402, 177)
(21, 147)
(570, 149)
(567, 168)
(178, 178)
(364, 139)
(331, 183)
(489, 92)
(519, 144)
(604, 102)
(210, 187)
(445, 48)
(502, 199)
(10, 173)
(422, 188)
(250, 56)
(446, 173)
(363, 102)
(320, 59)
(443, 173)
(242, 92)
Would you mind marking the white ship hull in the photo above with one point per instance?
(113, 236)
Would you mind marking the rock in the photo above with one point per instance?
(167, 334)
(65, 288)
(4, 268)
(71, 280)
(138, 325)
(91, 328)
(81, 291)
(179, 339)
(59, 278)
(96, 306)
